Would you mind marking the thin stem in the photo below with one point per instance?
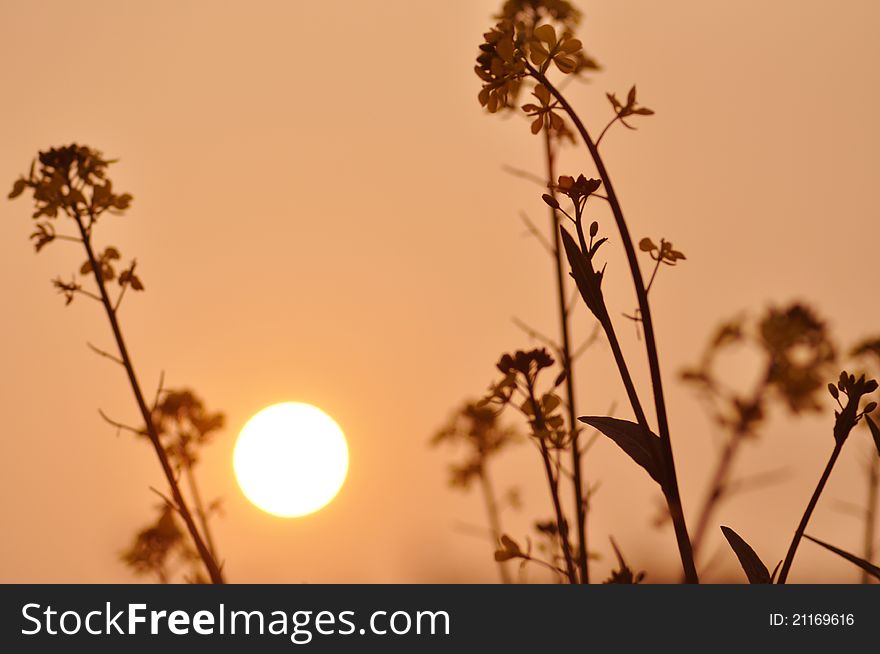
(560, 516)
(717, 489)
(653, 275)
(553, 482)
(494, 519)
(671, 491)
(583, 561)
(607, 127)
(802, 526)
(871, 514)
(200, 509)
(214, 572)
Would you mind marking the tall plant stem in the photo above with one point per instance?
(673, 496)
(552, 481)
(582, 560)
(562, 525)
(494, 519)
(214, 572)
(871, 514)
(802, 526)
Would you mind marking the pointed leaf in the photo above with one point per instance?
(640, 444)
(585, 277)
(868, 567)
(875, 431)
(631, 97)
(751, 563)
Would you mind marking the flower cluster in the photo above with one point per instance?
(71, 179)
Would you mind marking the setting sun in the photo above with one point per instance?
(291, 459)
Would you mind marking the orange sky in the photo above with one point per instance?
(320, 215)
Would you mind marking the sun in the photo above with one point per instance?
(290, 459)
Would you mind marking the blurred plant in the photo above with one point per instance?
(795, 353)
(71, 182)
(161, 548)
(184, 427)
(477, 428)
(514, 53)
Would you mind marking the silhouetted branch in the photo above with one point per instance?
(104, 354)
(121, 426)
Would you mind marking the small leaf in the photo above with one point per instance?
(537, 124)
(867, 566)
(550, 200)
(561, 377)
(647, 245)
(594, 229)
(86, 268)
(547, 34)
(17, 188)
(565, 64)
(631, 97)
(549, 403)
(875, 432)
(833, 390)
(570, 46)
(642, 445)
(589, 283)
(751, 563)
(870, 406)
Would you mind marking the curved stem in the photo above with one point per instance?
(583, 564)
(802, 526)
(671, 491)
(213, 569)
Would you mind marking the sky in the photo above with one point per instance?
(321, 214)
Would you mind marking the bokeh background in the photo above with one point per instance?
(321, 215)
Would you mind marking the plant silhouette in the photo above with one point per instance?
(532, 52)
(71, 182)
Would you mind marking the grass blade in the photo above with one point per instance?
(867, 566)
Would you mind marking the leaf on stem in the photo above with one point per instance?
(642, 445)
(867, 566)
(589, 282)
(875, 431)
(751, 563)
(509, 549)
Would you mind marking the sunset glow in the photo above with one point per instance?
(291, 459)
